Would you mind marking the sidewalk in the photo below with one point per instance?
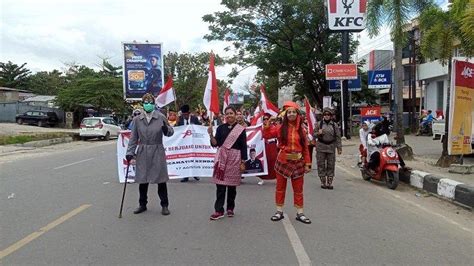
(425, 175)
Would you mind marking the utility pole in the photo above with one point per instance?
(344, 85)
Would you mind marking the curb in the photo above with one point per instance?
(443, 187)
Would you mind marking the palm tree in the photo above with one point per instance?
(443, 31)
(395, 14)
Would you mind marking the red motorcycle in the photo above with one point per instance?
(386, 170)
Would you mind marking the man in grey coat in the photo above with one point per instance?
(147, 134)
(328, 137)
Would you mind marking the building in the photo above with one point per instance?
(13, 95)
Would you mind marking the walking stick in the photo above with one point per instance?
(124, 188)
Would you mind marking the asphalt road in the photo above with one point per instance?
(61, 207)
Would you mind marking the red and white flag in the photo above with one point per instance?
(257, 118)
(166, 94)
(267, 105)
(310, 117)
(226, 99)
(211, 93)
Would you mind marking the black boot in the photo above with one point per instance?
(165, 211)
(140, 210)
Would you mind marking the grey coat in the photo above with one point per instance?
(328, 136)
(150, 155)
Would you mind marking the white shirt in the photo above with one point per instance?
(372, 143)
(363, 137)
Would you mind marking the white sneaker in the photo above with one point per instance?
(260, 182)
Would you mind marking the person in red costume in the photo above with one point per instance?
(293, 159)
(271, 150)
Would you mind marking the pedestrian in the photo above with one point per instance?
(231, 141)
(328, 137)
(293, 159)
(271, 149)
(172, 117)
(136, 113)
(187, 119)
(151, 167)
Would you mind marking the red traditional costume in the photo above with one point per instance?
(291, 159)
(271, 151)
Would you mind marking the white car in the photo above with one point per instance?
(99, 127)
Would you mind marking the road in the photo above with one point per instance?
(60, 208)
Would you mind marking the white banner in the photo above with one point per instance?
(189, 153)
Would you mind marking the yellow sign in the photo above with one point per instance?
(461, 122)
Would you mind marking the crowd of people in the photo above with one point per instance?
(289, 150)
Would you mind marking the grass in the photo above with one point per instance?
(20, 139)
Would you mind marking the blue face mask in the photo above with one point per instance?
(148, 107)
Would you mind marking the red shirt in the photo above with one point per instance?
(293, 144)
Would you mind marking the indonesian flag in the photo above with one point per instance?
(267, 106)
(211, 93)
(257, 119)
(309, 116)
(166, 94)
(226, 99)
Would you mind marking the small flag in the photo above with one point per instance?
(211, 93)
(166, 95)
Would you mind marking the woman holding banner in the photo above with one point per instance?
(231, 141)
(292, 161)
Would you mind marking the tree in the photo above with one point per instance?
(395, 14)
(442, 31)
(14, 76)
(101, 92)
(110, 70)
(46, 83)
(289, 41)
(190, 73)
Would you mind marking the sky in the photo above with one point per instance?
(49, 33)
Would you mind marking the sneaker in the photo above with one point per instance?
(230, 213)
(217, 216)
(260, 182)
(184, 180)
(197, 178)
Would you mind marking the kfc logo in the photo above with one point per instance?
(347, 14)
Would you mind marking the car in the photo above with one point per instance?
(99, 127)
(38, 117)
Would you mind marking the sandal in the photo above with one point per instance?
(323, 186)
(277, 216)
(302, 218)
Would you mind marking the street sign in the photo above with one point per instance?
(371, 114)
(327, 102)
(353, 84)
(341, 71)
(379, 79)
(346, 15)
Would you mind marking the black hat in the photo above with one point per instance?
(185, 108)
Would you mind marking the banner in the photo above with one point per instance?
(461, 123)
(142, 70)
(327, 102)
(379, 79)
(189, 153)
(352, 84)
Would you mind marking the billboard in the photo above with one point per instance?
(380, 79)
(353, 85)
(341, 71)
(371, 114)
(346, 15)
(461, 115)
(142, 69)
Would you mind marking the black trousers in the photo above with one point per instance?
(220, 197)
(162, 193)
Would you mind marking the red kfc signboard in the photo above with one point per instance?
(341, 71)
(347, 14)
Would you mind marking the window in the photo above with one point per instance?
(440, 94)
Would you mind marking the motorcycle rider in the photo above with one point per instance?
(426, 121)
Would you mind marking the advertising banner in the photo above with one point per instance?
(341, 71)
(371, 114)
(379, 79)
(353, 84)
(189, 153)
(142, 69)
(461, 123)
(346, 14)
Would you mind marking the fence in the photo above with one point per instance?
(9, 110)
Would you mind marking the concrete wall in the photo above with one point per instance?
(9, 96)
(431, 93)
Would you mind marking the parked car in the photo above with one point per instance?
(98, 127)
(40, 118)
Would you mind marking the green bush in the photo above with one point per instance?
(20, 139)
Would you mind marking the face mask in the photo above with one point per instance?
(148, 107)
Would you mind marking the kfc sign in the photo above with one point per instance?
(347, 14)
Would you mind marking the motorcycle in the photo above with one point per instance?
(387, 169)
(426, 129)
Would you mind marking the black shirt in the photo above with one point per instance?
(240, 144)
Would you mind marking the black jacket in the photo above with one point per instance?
(192, 119)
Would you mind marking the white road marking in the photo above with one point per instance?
(300, 252)
(413, 203)
(78, 162)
